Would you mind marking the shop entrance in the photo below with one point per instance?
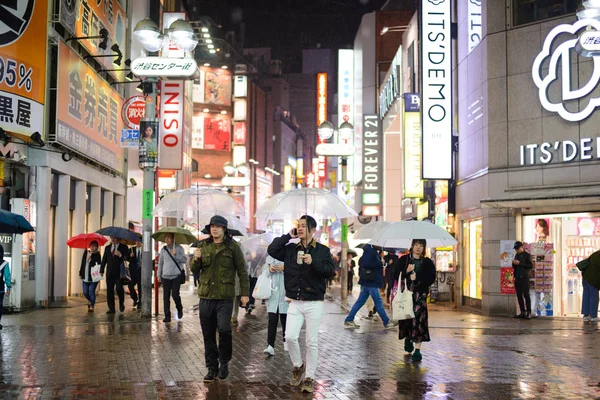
(557, 243)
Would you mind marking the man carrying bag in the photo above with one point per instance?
(171, 263)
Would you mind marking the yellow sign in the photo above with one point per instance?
(287, 178)
(23, 66)
(413, 185)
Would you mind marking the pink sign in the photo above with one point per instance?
(588, 226)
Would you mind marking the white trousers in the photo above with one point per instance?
(311, 312)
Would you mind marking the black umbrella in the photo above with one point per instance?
(121, 233)
(351, 253)
(14, 223)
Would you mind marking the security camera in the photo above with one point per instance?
(133, 182)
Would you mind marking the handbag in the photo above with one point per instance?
(368, 274)
(124, 274)
(95, 273)
(402, 303)
(181, 272)
(262, 289)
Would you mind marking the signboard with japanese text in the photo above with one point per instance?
(148, 143)
(321, 98)
(171, 125)
(87, 17)
(130, 138)
(197, 132)
(217, 133)
(346, 86)
(164, 67)
(88, 112)
(23, 30)
(133, 110)
(239, 133)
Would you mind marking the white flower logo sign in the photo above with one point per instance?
(562, 54)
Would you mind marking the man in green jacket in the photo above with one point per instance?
(218, 259)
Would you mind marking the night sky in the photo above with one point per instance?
(288, 26)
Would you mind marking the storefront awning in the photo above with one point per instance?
(530, 198)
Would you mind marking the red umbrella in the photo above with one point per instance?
(83, 240)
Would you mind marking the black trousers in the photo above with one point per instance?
(111, 282)
(216, 315)
(522, 289)
(274, 318)
(252, 285)
(171, 289)
(136, 279)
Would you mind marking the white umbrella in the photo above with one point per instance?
(401, 234)
(367, 232)
(317, 203)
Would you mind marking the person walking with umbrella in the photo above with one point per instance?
(115, 254)
(5, 280)
(171, 262)
(417, 273)
(307, 266)
(219, 259)
(90, 259)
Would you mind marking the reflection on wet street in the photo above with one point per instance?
(67, 354)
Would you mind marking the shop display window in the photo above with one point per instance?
(472, 259)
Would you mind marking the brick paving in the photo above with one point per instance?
(67, 353)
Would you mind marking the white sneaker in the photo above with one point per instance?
(593, 319)
(270, 351)
(285, 346)
(586, 318)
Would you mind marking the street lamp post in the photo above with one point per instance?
(343, 150)
(152, 40)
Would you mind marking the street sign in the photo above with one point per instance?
(147, 203)
(130, 138)
(133, 110)
(164, 67)
(335, 149)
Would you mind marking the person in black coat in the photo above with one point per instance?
(89, 259)
(417, 273)
(135, 269)
(522, 265)
(115, 254)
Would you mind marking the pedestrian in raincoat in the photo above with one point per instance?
(277, 306)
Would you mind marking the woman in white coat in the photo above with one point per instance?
(277, 306)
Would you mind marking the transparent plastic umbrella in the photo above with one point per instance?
(367, 232)
(318, 203)
(401, 234)
(256, 246)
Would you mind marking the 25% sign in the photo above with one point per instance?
(13, 73)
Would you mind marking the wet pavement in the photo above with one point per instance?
(66, 353)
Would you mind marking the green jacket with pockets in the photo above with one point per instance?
(218, 266)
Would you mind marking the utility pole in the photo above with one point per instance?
(344, 257)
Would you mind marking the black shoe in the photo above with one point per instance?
(224, 371)
(122, 307)
(135, 303)
(180, 313)
(210, 376)
(167, 319)
(520, 316)
(0, 326)
(110, 312)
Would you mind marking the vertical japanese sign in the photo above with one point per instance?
(23, 42)
(217, 134)
(321, 117)
(148, 150)
(88, 112)
(87, 17)
(436, 96)
(346, 86)
(413, 185)
(171, 125)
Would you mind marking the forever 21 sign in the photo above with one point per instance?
(436, 99)
(372, 166)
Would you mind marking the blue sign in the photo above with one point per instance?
(130, 138)
(412, 102)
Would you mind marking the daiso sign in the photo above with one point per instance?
(171, 125)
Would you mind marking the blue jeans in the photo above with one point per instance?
(589, 305)
(89, 291)
(365, 292)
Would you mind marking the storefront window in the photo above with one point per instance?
(527, 11)
(472, 259)
(557, 242)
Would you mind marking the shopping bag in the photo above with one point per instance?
(402, 304)
(95, 272)
(262, 289)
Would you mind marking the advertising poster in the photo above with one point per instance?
(23, 52)
(85, 18)
(148, 150)
(542, 229)
(217, 134)
(217, 86)
(588, 226)
(88, 110)
(507, 272)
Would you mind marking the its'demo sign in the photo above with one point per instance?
(560, 151)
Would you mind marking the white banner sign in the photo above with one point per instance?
(170, 154)
(164, 67)
(436, 100)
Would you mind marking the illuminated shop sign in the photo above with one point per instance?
(474, 24)
(413, 185)
(372, 166)
(436, 99)
(321, 98)
(560, 151)
(346, 85)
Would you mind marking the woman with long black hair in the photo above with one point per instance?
(417, 272)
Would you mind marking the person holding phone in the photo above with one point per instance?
(307, 267)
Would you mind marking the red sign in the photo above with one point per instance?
(310, 180)
(321, 98)
(217, 134)
(507, 280)
(133, 110)
(239, 133)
